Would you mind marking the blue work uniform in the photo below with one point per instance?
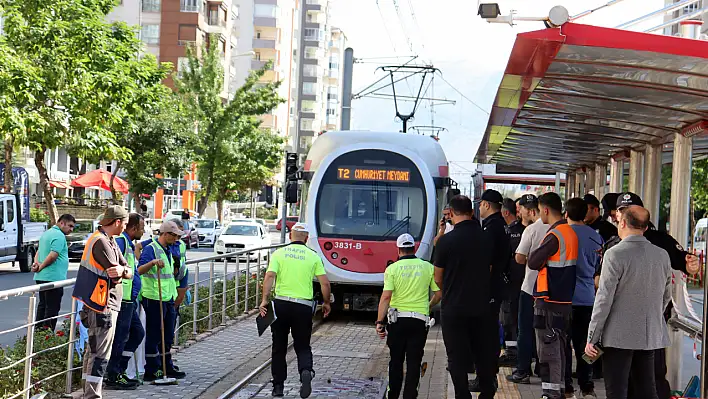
(129, 330)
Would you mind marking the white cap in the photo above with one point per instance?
(405, 240)
(300, 227)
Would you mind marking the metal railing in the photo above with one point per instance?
(242, 287)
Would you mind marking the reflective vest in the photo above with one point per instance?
(556, 282)
(182, 271)
(92, 282)
(167, 276)
(129, 256)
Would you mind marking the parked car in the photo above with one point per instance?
(76, 241)
(18, 237)
(243, 235)
(209, 231)
(191, 235)
(289, 222)
(177, 214)
(262, 222)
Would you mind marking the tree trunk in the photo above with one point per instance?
(204, 201)
(110, 184)
(137, 198)
(44, 185)
(220, 210)
(9, 181)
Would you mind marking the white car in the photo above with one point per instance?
(177, 214)
(243, 235)
(209, 231)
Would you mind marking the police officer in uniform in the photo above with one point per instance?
(510, 306)
(292, 269)
(681, 260)
(594, 219)
(403, 311)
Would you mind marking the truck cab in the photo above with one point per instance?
(18, 238)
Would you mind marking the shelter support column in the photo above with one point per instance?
(652, 180)
(678, 228)
(570, 185)
(636, 172)
(616, 166)
(600, 179)
(589, 181)
(579, 183)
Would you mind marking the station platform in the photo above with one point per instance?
(350, 361)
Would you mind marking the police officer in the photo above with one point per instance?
(510, 306)
(594, 219)
(406, 301)
(680, 260)
(292, 269)
(155, 259)
(129, 329)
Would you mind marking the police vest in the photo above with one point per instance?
(167, 277)
(129, 256)
(92, 281)
(182, 271)
(556, 282)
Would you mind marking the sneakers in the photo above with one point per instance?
(519, 378)
(120, 382)
(306, 383)
(278, 390)
(175, 373)
(151, 377)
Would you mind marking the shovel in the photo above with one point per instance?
(164, 380)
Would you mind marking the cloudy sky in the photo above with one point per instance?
(470, 53)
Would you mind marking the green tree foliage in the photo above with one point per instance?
(699, 192)
(85, 81)
(221, 123)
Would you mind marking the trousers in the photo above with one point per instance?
(153, 334)
(406, 341)
(129, 335)
(471, 335)
(624, 368)
(101, 330)
(551, 328)
(49, 306)
(580, 322)
(292, 318)
(663, 389)
(526, 340)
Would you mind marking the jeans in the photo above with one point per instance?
(129, 335)
(292, 318)
(526, 340)
(663, 389)
(624, 368)
(49, 306)
(578, 333)
(154, 333)
(406, 341)
(466, 336)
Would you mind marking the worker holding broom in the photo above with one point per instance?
(159, 291)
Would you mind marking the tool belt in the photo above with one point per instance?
(394, 314)
(296, 300)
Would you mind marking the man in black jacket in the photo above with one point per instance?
(510, 305)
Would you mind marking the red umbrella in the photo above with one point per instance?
(101, 179)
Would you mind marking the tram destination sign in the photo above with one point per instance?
(373, 174)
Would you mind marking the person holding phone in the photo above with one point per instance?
(627, 317)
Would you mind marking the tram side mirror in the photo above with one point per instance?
(451, 193)
(291, 192)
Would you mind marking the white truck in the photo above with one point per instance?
(19, 239)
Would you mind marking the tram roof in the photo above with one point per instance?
(578, 95)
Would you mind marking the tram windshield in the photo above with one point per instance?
(372, 195)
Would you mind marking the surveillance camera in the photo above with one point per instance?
(489, 10)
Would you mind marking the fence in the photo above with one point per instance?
(235, 293)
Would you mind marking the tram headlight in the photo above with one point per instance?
(328, 246)
(344, 261)
(334, 255)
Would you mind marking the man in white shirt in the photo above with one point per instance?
(531, 238)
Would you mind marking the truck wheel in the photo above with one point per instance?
(26, 259)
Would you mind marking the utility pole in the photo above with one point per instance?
(347, 89)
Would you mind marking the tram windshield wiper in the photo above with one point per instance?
(396, 227)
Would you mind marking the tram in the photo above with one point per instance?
(361, 191)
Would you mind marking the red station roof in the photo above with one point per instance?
(576, 95)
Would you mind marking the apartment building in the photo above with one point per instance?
(333, 79)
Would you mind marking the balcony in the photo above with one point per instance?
(258, 64)
(263, 43)
(215, 24)
(270, 22)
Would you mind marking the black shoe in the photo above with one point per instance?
(507, 360)
(150, 377)
(519, 378)
(133, 380)
(120, 383)
(474, 385)
(306, 383)
(278, 390)
(175, 373)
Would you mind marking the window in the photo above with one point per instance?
(150, 34)
(151, 5)
(187, 34)
(311, 52)
(265, 10)
(313, 34)
(307, 124)
(10, 212)
(241, 230)
(333, 63)
(307, 106)
(331, 111)
(309, 88)
(312, 17)
(234, 12)
(258, 35)
(257, 56)
(310, 70)
(332, 96)
(189, 5)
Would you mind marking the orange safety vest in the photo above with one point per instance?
(556, 282)
(92, 281)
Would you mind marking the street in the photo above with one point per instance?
(14, 310)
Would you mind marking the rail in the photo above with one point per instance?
(215, 300)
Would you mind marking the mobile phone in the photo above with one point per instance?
(591, 360)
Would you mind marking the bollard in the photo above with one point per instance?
(195, 298)
(248, 282)
(70, 356)
(31, 316)
(211, 291)
(223, 293)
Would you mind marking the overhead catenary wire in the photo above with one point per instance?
(463, 95)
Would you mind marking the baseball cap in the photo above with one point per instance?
(170, 227)
(609, 202)
(591, 200)
(112, 213)
(628, 199)
(528, 200)
(302, 227)
(405, 240)
(492, 196)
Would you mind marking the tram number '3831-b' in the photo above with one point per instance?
(346, 245)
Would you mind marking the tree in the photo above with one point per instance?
(220, 122)
(699, 192)
(87, 76)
